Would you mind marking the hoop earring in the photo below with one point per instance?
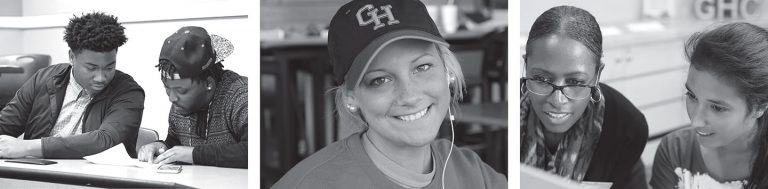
(523, 88)
(599, 94)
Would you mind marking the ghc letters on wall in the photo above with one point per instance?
(726, 9)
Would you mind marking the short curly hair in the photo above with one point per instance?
(94, 31)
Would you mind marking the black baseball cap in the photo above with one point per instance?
(189, 49)
(361, 28)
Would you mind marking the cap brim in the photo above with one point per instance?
(365, 57)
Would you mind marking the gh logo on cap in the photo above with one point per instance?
(375, 17)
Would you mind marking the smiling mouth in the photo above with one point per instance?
(557, 115)
(704, 132)
(414, 116)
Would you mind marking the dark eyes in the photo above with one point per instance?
(375, 82)
(569, 81)
(714, 107)
(94, 68)
(717, 108)
(690, 96)
(574, 82)
(542, 78)
(423, 67)
(378, 81)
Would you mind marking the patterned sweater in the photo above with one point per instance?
(225, 140)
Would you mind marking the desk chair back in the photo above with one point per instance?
(146, 136)
(15, 70)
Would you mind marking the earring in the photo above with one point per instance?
(351, 108)
(208, 88)
(523, 88)
(599, 95)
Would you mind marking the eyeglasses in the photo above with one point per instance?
(572, 91)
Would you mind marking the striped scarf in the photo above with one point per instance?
(574, 152)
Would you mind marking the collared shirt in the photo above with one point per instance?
(72, 110)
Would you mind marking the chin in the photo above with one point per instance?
(561, 127)
(419, 139)
(181, 111)
(709, 142)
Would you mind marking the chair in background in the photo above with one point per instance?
(15, 70)
(482, 115)
(146, 136)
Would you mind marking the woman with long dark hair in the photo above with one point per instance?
(571, 124)
(726, 99)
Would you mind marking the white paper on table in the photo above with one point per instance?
(118, 156)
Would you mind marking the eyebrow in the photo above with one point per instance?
(571, 74)
(419, 58)
(576, 74)
(412, 61)
(718, 102)
(110, 64)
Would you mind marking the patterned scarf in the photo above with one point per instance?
(574, 152)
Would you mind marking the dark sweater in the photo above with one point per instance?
(622, 141)
(226, 141)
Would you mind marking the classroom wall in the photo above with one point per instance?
(10, 8)
(11, 41)
(149, 7)
(146, 30)
(619, 11)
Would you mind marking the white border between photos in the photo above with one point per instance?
(513, 144)
(254, 95)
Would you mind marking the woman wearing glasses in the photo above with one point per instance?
(727, 96)
(572, 125)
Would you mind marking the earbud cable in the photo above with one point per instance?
(451, 149)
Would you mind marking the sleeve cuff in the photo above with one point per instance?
(166, 144)
(197, 156)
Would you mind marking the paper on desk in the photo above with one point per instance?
(117, 156)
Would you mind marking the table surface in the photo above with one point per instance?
(191, 175)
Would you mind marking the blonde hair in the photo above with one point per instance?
(354, 121)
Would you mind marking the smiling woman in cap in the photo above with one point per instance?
(209, 117)
(398, 81)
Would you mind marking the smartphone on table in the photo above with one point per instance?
(31, 161)
(169, 169)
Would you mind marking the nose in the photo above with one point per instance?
(172, 97)
(408, 94)
(557, 97)
(696, 114)
(100, 77)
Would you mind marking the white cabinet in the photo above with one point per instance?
(652, 76)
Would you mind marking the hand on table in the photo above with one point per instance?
(177, 153)
(12, 147)
(148, 151)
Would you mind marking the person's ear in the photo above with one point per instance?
(210, 83)
(599, 72)
(71, 57)
(600, 68)
(350, 102)
(760, 110)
